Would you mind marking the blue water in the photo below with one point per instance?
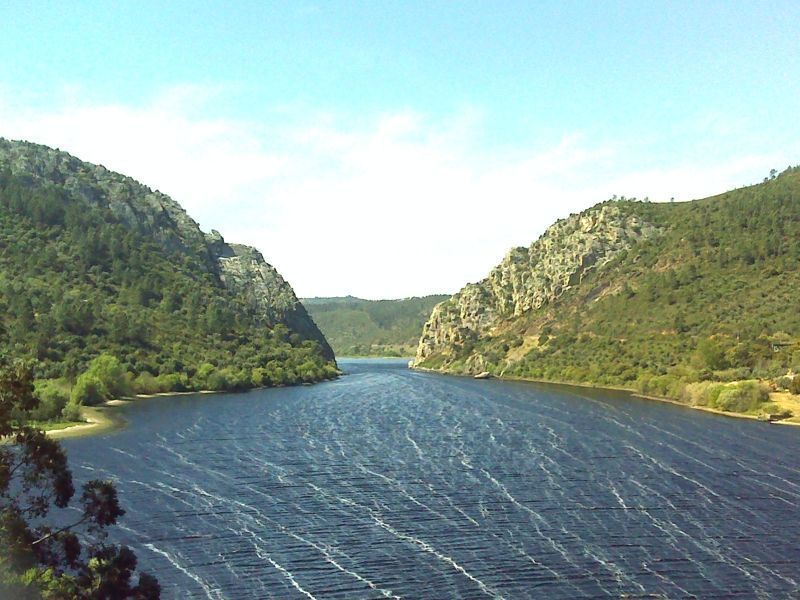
(393, 483)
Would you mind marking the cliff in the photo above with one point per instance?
(245, 272)
(529, 278)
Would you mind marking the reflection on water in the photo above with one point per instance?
(392, 483)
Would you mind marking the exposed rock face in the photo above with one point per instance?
(241, 269)
(244, 271)
(529, 278)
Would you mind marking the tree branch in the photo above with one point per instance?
(62, 530)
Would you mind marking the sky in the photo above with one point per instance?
(393, 149)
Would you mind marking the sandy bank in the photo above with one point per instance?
(103, 418)
(99, 419)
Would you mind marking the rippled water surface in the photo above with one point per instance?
(392, 483)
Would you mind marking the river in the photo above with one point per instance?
(394, 483)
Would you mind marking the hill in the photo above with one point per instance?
(649, 296)
(357, 327)
(96, 264)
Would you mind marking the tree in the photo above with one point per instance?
(710, 355)
(38, 560)
(104, 379)
(108, 370)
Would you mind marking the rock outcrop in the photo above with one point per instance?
(245, 272)
(529, 278)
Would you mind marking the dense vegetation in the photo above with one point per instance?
(713, 296)
(356, 327)
(40, 560)
(75, 283)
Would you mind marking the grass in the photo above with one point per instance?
(54, 425)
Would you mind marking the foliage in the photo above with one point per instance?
(739, 396)
(40, 560)
(712, 297)
(108, 371)
(744, 396)
(104, 379)
(88, 391)
(78, 285)
(53, 398)
(356, 327)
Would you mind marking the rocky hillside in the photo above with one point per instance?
(357, 327)
(628, 292)
(95, 262)
(529, 278)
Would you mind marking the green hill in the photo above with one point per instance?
(357, 327)
(651, 296)
(94, 263)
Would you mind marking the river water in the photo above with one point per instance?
(394, 483)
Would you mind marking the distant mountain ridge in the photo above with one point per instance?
(139, 260)
(630, 292)
(357, 327)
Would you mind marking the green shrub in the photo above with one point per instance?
(735, 374)
(259, 377)
(88, 390)
(794, 387)
(661, 385)
(110, 372)
(145, 383)
(643, 384)
(744, 396)
(202, 378)
(795, 361)
(72, 412)
(216, 381)
(53, 396)
(710, 354)
(702, 393)
(170, 382)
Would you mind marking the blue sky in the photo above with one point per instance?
(390, 149)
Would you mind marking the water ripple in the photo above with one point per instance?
(394, 484)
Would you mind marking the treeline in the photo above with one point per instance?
(75, 284)
(106, 378)
(357, 327)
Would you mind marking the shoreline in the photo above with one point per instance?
(633, 393)
(99, 419)
(716, 411)
(103, 418)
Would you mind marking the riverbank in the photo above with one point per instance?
(735, 415)
(779, 398)
(104, 418)
(99, 419)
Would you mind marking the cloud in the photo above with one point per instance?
(384, 205)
